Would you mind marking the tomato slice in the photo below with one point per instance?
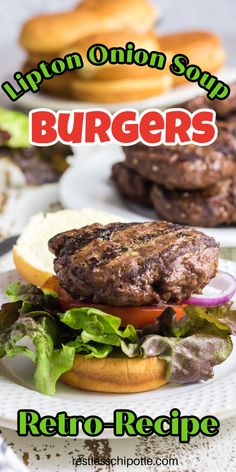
(138, 316)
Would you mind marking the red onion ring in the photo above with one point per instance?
(224, 283)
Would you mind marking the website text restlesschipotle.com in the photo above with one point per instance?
(124, 461)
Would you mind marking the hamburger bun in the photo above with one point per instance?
(31, 255)
(116, 39)
(111, 91)
(56, 31)
(201, 47)
(34, 58)
(84, 84)
(58, 86)
(116, 374)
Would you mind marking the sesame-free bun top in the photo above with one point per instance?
(121, 90)
(115, 39)
(203, 48)
(56, 31)
(31, 255)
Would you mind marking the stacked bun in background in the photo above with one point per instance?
(113, 23)
(193, 185)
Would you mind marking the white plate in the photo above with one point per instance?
(24, 202)
(215, 397)
(167, 99)
(88, 184)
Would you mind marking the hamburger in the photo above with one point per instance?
(124, 311)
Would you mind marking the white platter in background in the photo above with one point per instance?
(87, 184)
(215, 397)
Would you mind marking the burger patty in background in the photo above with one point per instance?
(187, 167)
(190, 185)
(22, 164)
(39, 165)
(131, 184)
(223, 108)
(213, 206)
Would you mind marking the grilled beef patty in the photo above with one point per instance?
(188, 167)
(213, 206)
(131, 184)
(134, 263)
(222, 107)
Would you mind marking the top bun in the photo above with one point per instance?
(32, 257)
(201, 47)
(113, 39)
(55, 32)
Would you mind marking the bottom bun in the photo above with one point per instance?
(116, 375)
(121, 90)
(58, 85)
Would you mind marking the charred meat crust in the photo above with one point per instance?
(131, 184)
(188, 167)
(134, 263)
(221, 107)
(213, 206)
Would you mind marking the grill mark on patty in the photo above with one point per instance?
(81, 241)
(185, 247)
(133, 245)
(145, 238)
(182, 248)
(107, 257)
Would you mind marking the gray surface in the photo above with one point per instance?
(214, 14)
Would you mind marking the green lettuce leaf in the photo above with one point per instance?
(189, 359)
(51, 363)
(212, 320)
(17, 323)
(191, 346)
(17, 124)
(32, 298)
(98, 327)
(90, 349)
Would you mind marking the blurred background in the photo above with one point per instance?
(177, 15)
(216, 15)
